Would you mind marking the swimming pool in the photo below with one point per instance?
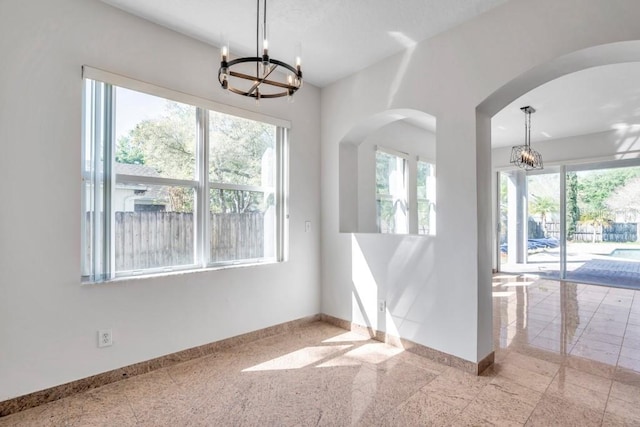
(626, 253)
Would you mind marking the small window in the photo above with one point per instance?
(391, 192)
(426, 187)
(170, 185)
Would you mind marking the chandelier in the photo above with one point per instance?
(524, 156)
(254, 76)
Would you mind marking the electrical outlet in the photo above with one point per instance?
(105, 338)
(382, 306)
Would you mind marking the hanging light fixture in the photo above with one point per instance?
(261, 82)
(524, 156)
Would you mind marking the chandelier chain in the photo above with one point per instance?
(524, 156)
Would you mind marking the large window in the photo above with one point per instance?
(172, 185)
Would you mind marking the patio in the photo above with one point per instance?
(586, 263)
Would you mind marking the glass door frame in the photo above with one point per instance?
(562, 169)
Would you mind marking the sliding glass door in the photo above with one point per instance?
(603, 211)
(574, 222)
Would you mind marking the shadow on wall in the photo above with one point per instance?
(391, 277)
(628, 137)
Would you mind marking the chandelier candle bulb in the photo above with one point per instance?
(265, 83)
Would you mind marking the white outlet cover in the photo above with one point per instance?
(105, 338)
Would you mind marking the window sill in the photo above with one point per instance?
(177, 272)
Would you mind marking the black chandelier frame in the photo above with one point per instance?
(268, 65)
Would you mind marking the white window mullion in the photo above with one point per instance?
(204, 218)
(242, 187)
(155, 180)
(281, 194)
(95, 269)
(102, 181)
(109, 179)
(97, 241)
(84, 202)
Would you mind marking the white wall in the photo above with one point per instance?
(48, 321)
(438, 289)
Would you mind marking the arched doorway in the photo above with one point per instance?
(574, 64)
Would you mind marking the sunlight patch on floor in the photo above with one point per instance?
(373, 353)
(347, 337)
(299, 358)
(513, 284)
(504, 294)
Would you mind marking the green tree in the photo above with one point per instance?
(543, 206)
(626, 199)
(241, 152)
(597, 219)
(594, 188)
(126, 152)
(573, 212)
(167, 144)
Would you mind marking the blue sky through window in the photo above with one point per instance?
(134, 107)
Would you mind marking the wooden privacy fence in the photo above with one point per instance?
(153, 239)
(237, 236)
(164, 239)
(610, 232)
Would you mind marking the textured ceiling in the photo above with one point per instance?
(337, 37)
(341, 37)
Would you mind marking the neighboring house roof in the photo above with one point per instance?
(135, 169)
(153, 195)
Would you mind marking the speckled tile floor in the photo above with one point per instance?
(566, 355)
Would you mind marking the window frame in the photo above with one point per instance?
(405, 177)
(432, 203)
(98, 128)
